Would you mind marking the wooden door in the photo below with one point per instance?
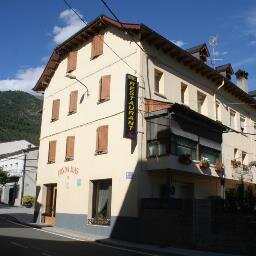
(50, 210)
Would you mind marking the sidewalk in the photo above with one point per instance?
(25, 216)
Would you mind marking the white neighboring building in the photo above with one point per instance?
(20, 162)
(13, 146)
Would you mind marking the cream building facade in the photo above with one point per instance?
(90, 177)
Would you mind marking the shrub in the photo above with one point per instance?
(28, 201)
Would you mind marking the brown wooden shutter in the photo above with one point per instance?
(55, 109)
(70, 146)
(72, 59)
(105, 88)
(52, 151)
(73, 102)
(97, 46)
(102, 139)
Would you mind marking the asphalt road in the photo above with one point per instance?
(28, 241)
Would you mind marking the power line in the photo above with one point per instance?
(134, 70)
(79, 16)
(115, 16)
(121, 24)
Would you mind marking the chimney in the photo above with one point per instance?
(201, 52)
(225, 70)
(29, 146)
(241, 77)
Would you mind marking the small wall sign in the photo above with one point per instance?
(130, 175)
(78, 182)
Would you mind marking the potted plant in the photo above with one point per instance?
(235, 163)
(28, 201)
(219, 167)
(185, 159)
(204, 163)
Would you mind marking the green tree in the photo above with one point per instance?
(3, 177)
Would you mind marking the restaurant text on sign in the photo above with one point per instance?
(68, 169)
(131, 107)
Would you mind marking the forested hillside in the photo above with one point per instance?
(20, 116)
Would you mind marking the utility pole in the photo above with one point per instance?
(23, 174)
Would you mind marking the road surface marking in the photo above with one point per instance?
(46, 254)
(84, 240)
(19, 245)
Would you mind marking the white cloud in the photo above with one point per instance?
(179, 43)
(245, 61)
(45, 59)
(71, 24)
(251, 43)
(219, 54)
(24, 80)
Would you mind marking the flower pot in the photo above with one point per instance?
(204, 165)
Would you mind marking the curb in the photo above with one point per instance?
(139, 249)
(34, 225)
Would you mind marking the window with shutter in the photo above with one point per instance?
(73, 102)
(72, 59)
(52, 152)
(97, 46)
(104, 94)
(102, 140)
(70, 146)
(55, 110)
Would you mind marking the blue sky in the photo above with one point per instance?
(31, 29)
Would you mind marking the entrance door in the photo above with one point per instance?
(50, 209)
(11, 196)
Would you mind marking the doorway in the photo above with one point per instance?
(50, 206)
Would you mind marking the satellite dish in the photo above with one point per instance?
(213, 40)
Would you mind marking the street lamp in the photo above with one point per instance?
(70, 76)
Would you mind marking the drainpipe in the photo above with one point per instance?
(215, 108)
(23, 175)
(214, 97)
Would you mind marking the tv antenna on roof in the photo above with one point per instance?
(213, 41)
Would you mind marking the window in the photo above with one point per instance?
(242, 124)
(159, 82)
(97, 46)
(101, 202)
(244, 158)
(184, 94)
(218, 111)
(235, 153)
(201, 103)
(213, 155)
(70, 146)
(181, 145)
(72, 59)
(157, 148)
(73, 102)
(104, 94)
(102, 139)
(158, 136)
(232, 119)
(55, 110)
(52, 152)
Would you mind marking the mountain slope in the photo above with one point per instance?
(19, 116)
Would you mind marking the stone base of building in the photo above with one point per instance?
(121, 227)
